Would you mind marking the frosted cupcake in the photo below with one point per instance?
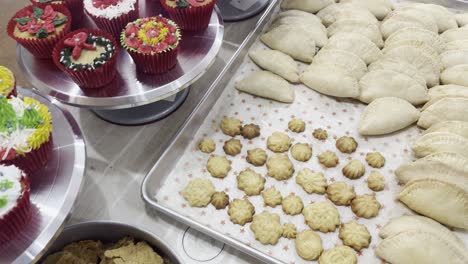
(74, 6)
(7, 82)
(153, 43)
(14, 201)
(193, 15)
(88, 57)
(25, 133)
(39, 29)
(112, 15)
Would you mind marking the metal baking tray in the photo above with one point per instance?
(197, 52)
(156, 177)
(53, 189)
(165, 165)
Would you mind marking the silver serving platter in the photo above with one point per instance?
(130, 89)
(53, 189)
(110, 232)
(158, 174)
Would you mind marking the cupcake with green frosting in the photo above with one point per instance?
(7, 82)
(25, 133)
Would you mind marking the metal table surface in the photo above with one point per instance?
(119, 157)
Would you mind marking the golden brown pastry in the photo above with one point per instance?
(250, 182)
(280, 167)
(218, 166)
(241, 211)
(256, 156)
(267, 228)
(355, 235)
(376, 181)
(354, 170)
(278, 142)
(340, 193)
(232, 147)
(220, 200)
(375, 159)
(322, 216)
(272, 197)
(308, 245)
(140, 252)
(301, 152)
(346, 144)
(320, 134)
(292, 205)
(365, 206)
(250, 131)
(198, 192)
(231, 126)
(311, 182)
(328, 159)
(296, 125)
(338, 255)
(87, 251)
(289, 231)
(207, 145)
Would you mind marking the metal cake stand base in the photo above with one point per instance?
(236, 10)
(143, 114)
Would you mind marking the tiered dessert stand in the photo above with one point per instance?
(132, 98)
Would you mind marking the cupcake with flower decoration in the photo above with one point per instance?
(25, 133)
(14, 202)
(74, 6)
(88, 56)
(153, 43)
(7, 82)
(39, 29)
(112, 15)
(192, 15)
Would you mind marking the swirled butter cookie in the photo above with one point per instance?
(301, 152)
(280, 167)
(308, 245)
(267, 228)
(250, 182)
(218, 166)
(241, 211)
(272, 197)
(355, 235)
(322, 216)
(311, 182)
(365, 206)
(198, 192)
(292, 205)
(278, 142)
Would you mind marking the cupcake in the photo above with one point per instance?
(25, 133)
(39, 29)
(192, 15)
(112, 15)
(7, 82)
(153, 43)
(14, 201)
(74, 6)
(88, 57)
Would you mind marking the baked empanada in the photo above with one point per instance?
(365, 28)
(387, 83)
(437, 199)
(314, 30)
(447, 109)
(343, 58)
(453, 58)
(443, 17)
(419, 34)
(268, 85)
(276, 62)
(299, 13)
(296, 42)
(399, 66)
(454, 127)
(386, 115)
(462, 19)
(312, 6)
(457, 75)
(457, 45)
(416, 44)
(414, 246)
(395, 21)
(357, 44)
(379, 8)
(449, 90)
(455, 34)
(331, 80)
(440, 142)
(334, 13)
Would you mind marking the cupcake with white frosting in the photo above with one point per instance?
(14, 201)
(112, 15)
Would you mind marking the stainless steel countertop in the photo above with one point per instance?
(119, 157)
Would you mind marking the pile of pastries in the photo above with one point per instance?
(410, 65)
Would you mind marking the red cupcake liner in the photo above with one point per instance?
(33, 160)
(117, 24)
(89, 78)
(13, 222)
(156, 63)
(193, 18)
(40, 48)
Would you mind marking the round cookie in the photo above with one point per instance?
(320, 134)
(355, 235)
(250, 182)
(301, 152)
(220, 200)
(241, 211)
(328, 159)
(338, 255)
(218, 166)
(346, 144)
(198, 192)
(278, 142)
(296, 125)
(231, 126)
(340, 193)
(250, 131)
(256, 156)
(232, 147)
(354, 170)
(292, 205)
(365, 206)
(376, 181)
(280, 167)
(267, 228)
(289, 231)
(311, 182)
(206, 145)
(322, 216)
(308, 245)
(272, 197)
(375, 160)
